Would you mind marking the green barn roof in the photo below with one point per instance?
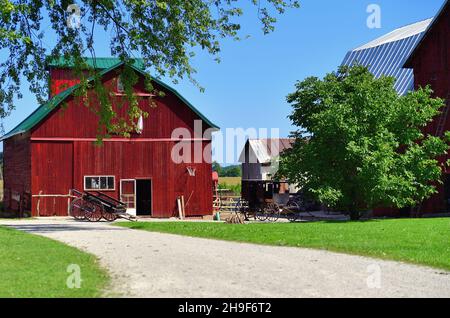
(98, 63)
(44, 110)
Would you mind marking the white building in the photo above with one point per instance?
(260, 157)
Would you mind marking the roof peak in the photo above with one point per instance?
(44, 110)
(100, 63)
(435, 20)
(285, 138)
(398, 34)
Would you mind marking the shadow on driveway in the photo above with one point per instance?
(50, 228)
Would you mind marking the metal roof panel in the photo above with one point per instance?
(386, 55)
(265, 150)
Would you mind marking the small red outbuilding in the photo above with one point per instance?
(54, 150)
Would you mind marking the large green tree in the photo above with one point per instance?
(360, 145)
(165, 33)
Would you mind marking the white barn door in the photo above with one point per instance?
(128, 194)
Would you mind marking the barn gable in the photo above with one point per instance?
(385, 56)
(444, 11)
(45, 110)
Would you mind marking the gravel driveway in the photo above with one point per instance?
(145, 264)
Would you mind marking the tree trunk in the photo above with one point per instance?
(355, 215)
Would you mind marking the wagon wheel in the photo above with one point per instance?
(246, 213)
(94, 212)
(77, 209)
(273, 212)
(109, 216)
(238, 207)
(217, 204)
(292, 211)
(241, 208)
(261, 215)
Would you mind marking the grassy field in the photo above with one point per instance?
(233, 181)
(34, 266)
(418, 241)
(232, 184)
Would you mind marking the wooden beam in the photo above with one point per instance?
(121, 139)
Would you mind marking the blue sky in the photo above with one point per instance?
(248, 88)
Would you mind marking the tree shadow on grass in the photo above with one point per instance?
(337, 221)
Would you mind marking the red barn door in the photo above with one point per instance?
(52, 176)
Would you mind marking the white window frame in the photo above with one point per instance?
(102, 176)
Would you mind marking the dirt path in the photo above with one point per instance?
(145, 264)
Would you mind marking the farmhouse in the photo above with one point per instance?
(416, 55)
(53, 150)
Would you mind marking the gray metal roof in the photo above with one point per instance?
(264, 150)
(386, 55)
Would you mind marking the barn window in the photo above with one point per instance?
(120, 87)
(99, 183)
(140, 125)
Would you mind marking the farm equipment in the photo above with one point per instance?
(270, 201)
(95, 206)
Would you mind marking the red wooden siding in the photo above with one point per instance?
(431, 64)
(148, 160)
(60, 152)
(123, 160)
(17, 172)
(52, 174)
(169, 114)
(61, 79)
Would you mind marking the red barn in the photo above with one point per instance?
(430, 61)
(54, 150)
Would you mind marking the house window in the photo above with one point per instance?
(99, 183)
(120, 87)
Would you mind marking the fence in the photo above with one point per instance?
(51, 206)
(228, 203)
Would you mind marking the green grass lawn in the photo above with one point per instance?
(419, 241)
(34, 266)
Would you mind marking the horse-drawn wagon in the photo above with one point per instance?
(269, 201)
(95, 206)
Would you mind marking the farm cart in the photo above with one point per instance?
(268, 201)
(94, 206)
